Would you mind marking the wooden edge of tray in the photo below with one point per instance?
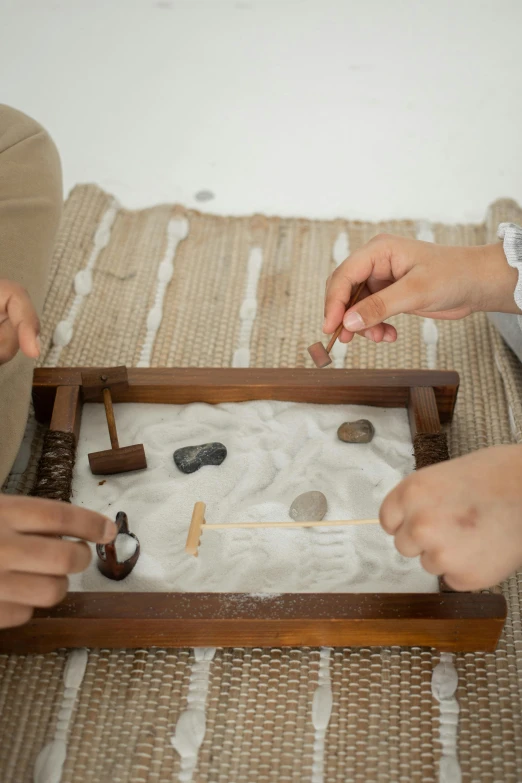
(386, 388)
(451, 622)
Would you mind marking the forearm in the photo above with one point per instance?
(495, 280)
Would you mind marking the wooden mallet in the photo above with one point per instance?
(321, 355)
(98, 386)
(198, 524)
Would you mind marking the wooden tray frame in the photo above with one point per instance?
(446, 620)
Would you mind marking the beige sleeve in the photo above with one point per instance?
(30, 208)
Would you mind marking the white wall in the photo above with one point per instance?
(362, 108)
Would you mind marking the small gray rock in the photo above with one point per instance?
(360, 431)
(204, 195)
(192, 458)
(309, 507)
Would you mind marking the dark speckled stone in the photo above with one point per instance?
(192, 458)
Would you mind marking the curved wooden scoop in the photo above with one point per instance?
(108, 563)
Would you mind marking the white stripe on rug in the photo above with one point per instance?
(190, 728)
(321, 712)
(248, 310)
(64, 330)
(49, 763)
(444, 679)
(444, 684)
(340, 252)
(177, 230)
(430, 332)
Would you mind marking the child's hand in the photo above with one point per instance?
(464, 517)
(34, 563)
(408, 276)
(19, 325)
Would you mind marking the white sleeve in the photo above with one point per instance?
(511, 236)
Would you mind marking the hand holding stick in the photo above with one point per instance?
(321, 355)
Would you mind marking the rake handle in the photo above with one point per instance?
(322, 523)
(111, 422)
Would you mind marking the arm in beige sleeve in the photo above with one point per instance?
(30, 210)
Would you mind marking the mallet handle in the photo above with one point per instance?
(322, 523)
(111, 422)
(334, 337)
(353, 300)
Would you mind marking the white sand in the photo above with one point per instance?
(276, 450)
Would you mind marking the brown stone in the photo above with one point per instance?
(360, 431)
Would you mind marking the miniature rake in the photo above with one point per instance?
(198, 523)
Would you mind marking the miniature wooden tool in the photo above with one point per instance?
(198, 522)
(98, 386)
(108, 563)
(321, 355)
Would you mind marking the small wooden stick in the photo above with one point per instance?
(196, 524)
(111, 421)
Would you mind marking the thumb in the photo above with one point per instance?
(396, 298)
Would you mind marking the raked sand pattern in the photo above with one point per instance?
(276, 451)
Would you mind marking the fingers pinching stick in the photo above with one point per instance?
(321, 355)
(198, 522)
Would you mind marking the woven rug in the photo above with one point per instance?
(384, 724)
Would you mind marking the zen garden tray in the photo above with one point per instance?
(446, 620)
